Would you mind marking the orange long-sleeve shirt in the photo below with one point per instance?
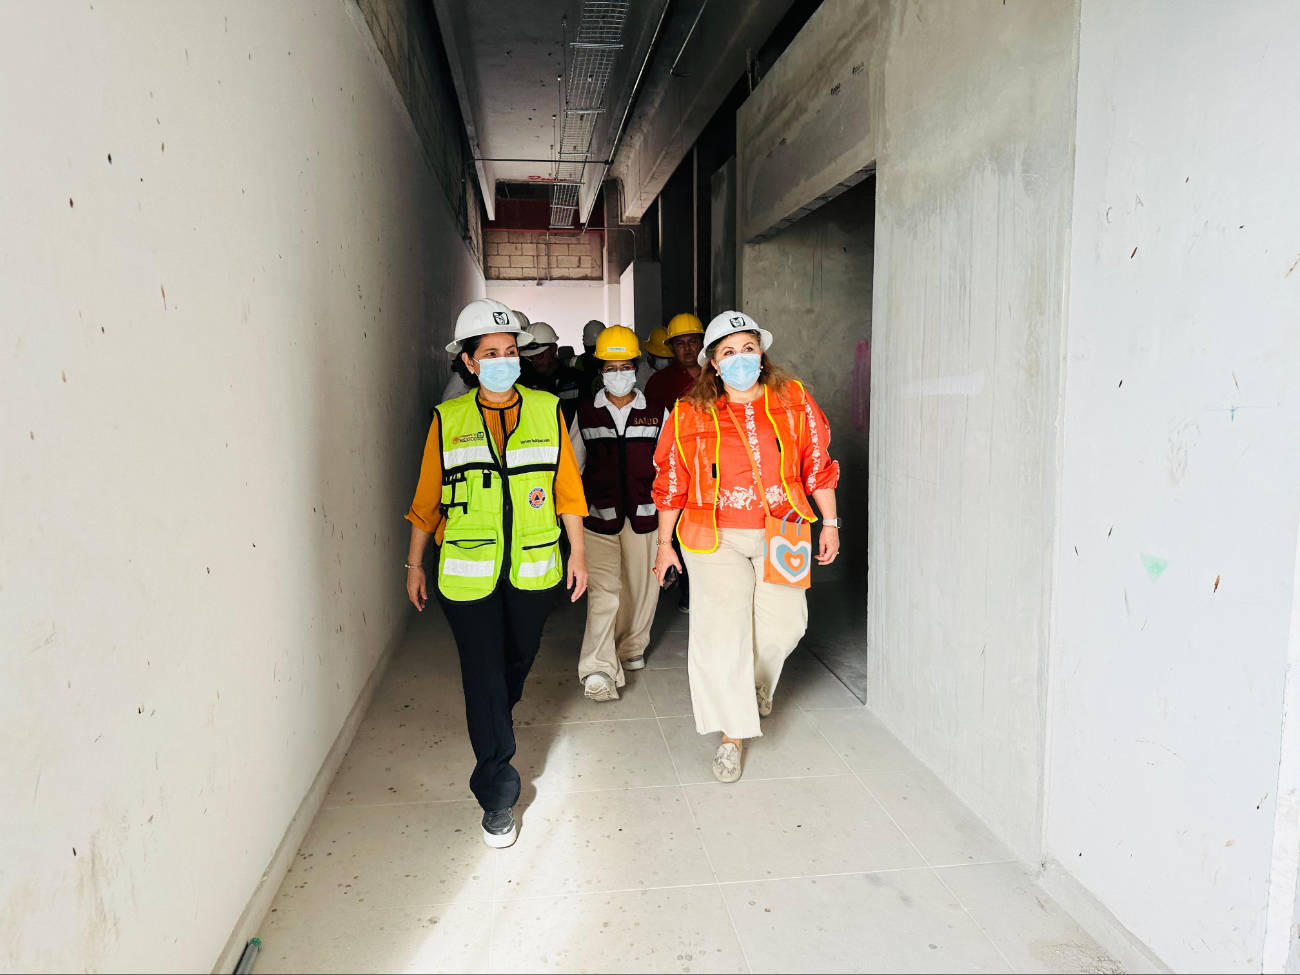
(739, 505)
(501, 421)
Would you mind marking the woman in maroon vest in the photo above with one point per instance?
(614, 437)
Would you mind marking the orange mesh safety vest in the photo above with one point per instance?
(698, 435)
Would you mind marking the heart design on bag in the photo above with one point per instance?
(791, 560)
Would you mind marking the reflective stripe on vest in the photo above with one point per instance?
(464, 567)
(477, 489)
(526, 456)
(619, 474)
(461, 456)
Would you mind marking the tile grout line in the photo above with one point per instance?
(552, 895)
(617, 788)
(935, 873)
(924, 859)
(705, 847)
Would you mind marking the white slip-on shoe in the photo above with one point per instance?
(600, 688)
(726, 763)
(634, 663)
(499, 828)
(764, 695)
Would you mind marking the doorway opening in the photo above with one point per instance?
(813, 283)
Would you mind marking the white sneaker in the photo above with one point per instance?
(600, 688)
(634, 663)
(499, 828)
(726, 763)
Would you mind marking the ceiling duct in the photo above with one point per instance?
(593, 54)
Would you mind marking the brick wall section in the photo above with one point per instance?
(515, 255)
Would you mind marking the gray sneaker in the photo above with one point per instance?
(499, 828)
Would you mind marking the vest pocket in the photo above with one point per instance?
(536, 564)
(469, 561)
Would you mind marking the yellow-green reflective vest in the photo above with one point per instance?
(479, 488)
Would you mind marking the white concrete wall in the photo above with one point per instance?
(564, 305)
(972, 228)
(1182, 444)
(215, 370)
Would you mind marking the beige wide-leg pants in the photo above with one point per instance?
(742, 629)
(622, 594)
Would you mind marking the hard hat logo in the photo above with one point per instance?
(501, 318)
(737, 323)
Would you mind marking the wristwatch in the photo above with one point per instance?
(832, 522)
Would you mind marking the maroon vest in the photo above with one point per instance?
(620, 470)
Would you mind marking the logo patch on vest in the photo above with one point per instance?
(501, 318)
(537, 497)
(469, 437)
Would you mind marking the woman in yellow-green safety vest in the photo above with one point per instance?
(498, 476)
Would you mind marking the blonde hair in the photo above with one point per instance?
(708, 389)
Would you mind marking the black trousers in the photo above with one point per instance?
(497, 639)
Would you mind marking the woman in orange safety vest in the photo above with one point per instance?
(743, 414)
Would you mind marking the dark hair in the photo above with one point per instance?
(635, 360)
(469, 346)
(708, 388)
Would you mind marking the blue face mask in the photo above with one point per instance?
(741, 371)
(498, 375)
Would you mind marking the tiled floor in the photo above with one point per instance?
(838, 851)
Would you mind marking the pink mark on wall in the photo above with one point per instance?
(862, 385)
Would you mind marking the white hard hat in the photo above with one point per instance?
(483, 316)
(728, 322)
(591, 331)
(523, 319)
(543, 338)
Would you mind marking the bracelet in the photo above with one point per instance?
(409, 566)
(662, 542)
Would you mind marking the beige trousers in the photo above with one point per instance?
(622, 594)
(742, 629)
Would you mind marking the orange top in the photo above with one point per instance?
(501, 421)
(738, 502)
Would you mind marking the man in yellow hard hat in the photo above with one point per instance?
(656, 350)
(686, 339)
(614, 438)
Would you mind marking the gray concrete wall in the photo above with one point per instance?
(975, 170)
(671, 111)
(231, 270)
(1174, 790)
(810, 126)
(722, 239)
(812, 286)
(968, 112)
(407, 36)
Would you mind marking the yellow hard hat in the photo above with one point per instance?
(657, 343)
(617, 343)
(685, 324)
